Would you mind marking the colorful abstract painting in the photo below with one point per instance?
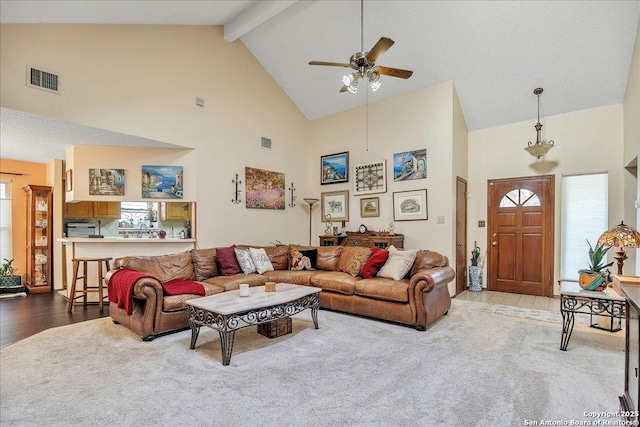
(106, 182)
(410, 165)
(264, 189)
(162, 182)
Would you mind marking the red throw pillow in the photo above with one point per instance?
(227, 261)
(374, 263)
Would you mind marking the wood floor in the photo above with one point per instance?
(21, 317)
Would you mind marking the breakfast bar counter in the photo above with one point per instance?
(115, 247)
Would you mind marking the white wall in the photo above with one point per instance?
(585, 141)
(143, 81)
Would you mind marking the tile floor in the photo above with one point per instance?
(516, 300)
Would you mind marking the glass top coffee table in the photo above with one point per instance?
(227, 312)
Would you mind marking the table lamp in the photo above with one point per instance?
(621, 236)
(310, 202)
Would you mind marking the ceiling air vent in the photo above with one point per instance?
(42, 79)
(266, 143)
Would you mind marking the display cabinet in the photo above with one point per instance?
(37, 278)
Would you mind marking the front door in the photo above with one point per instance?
(520, 235)
(461, 235)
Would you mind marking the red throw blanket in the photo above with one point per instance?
(120, 288)
(179, 287)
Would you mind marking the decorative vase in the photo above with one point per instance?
(475, 278)
(592, 281)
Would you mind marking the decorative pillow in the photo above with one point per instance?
(304, 260)
(204, 261)
(279, 256)
(245, 261)
(398, 264)
(260, 260)
(227, 261)
(328, 257)
(374, 263)
(352, 259)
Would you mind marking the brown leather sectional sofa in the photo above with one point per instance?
(418, 300)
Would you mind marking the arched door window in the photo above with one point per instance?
(519, 197)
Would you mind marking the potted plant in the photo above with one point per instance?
(8, 278)
(596, 277)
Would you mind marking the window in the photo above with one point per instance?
(519, 196)
(585, 205)
(6, 250)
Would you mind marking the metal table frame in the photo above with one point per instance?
(227, 325)
(574, 299)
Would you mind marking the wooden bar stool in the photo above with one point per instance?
(99, 288)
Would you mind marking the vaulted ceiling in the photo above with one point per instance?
(496, 52)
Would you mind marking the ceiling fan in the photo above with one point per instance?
(364, 63)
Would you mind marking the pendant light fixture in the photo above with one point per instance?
(540, 148)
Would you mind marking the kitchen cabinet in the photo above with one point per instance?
(37, 278)
(176, 211)
(98, 210)
(78, 210)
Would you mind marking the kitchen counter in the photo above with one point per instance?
(114, 247)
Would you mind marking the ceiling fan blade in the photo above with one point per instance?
(380, 48)
(394, 72)
(331, 64)
(343, 89)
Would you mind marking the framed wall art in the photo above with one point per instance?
(335, 203)
(264, 189)
(162, 182)
(410, 165)
(370, 178)
(410, 205)
(106, 182)
(369, 207)
(334, 168)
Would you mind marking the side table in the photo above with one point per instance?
(574, 299)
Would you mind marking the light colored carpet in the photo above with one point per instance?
(472, 368)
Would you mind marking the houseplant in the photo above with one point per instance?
(8, 278)
(596, 277)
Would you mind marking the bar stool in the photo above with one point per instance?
(85, 288)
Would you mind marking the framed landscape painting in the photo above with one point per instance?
(162, 182)
(264, 189)
(334, 168)
(369, 207)
(410, 165)
(410, 205)
(336, 204)
(105, 182)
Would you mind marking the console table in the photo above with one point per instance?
(629, 401)
(366, 240)
(574, 299)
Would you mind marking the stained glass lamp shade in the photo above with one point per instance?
(621, 236)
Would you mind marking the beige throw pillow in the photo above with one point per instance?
(398, 264)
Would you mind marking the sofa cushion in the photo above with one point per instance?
(260, 260)
(244, 259)
(383, 289)
(377, 259)
(334, 281)
(204, 263)
(290, 276)
(164, 267)
(352, 259)
(230, 283)
(398, 264)
(304, 259)
(428, 259)
(227, 261)
(328, 257)
(279, 257)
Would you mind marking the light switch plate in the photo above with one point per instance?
(440, 220)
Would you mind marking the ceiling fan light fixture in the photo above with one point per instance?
(374, 80)
(375, 85)
(347, 79)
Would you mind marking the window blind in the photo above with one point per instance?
(585, 206)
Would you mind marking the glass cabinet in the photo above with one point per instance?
(37, 278)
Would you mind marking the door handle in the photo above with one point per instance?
(495, 243)
(459, 244)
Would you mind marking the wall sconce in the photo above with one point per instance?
(540, 148)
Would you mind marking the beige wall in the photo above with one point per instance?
(143, 81)
(419, 119)
(585, 141)
(632, 143)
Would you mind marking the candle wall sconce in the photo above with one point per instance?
(237, 182)
(292, 189)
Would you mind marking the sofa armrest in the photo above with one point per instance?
(431, 279)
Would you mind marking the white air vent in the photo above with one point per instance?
(41, 79)
(266, 143)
